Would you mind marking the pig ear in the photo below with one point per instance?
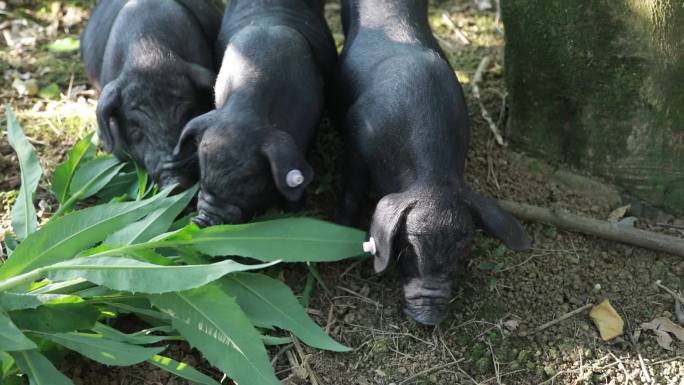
(498, 223)
(203, 78)
(110, 101)
(192, 132)
(388, 219)
(291, 172)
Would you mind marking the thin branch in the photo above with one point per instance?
(564, 317)
(603, 229)
(475, 84)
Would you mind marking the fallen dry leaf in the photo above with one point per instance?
(618, 213)
(607, 320)
(663, 327)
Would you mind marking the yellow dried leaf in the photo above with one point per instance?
(607, 320)
(618, 213)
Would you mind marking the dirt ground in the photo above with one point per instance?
(490, 336)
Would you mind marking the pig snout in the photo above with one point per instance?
(427, 300)
(212, 213)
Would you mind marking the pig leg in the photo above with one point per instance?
(356, 180)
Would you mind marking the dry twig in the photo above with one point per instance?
(602, 229)
(305, 364)
(679, 301)
(475, 84)
(564, 317)
(430, 370)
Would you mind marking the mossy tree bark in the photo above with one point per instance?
(601, 85)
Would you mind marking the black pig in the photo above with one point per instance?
(153, 62)
(406, 128)
(269, 99)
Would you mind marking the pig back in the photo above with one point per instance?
(95, 36)
(305, 17)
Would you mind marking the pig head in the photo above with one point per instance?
(244, 167)
(154, 64)
(428, 230)
(140, 117)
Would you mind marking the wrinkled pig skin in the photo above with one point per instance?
(278, 57)
(406, 127)
(154, 63)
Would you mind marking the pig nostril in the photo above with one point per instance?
(294, 178)
(204, 220)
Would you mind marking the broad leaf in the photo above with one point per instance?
(39, 369)
(94, 175)
(24, 221)
(154, 224)
(64, 173)
(124, 183)
(13, 301)
(11, 338)
(213, 322)
(140, 277)
(64, 237)
(142, 337)
(56, 318)
(182, 370)
(290, 240)
(269, 302)
(103, 350)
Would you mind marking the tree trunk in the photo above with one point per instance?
(600, 85)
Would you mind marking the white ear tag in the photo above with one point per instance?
(369, 247)
(294, 178)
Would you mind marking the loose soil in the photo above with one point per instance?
(489, 337)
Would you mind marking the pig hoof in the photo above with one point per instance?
(294, 178)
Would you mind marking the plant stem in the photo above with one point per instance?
(21, 279)
(66, 206)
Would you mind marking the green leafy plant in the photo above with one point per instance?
(66, 280)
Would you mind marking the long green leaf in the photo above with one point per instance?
(94, 175)
(182, 370)
(24, 221)
(7, 367)
(103, 350)
(64, 237)
(140, 338)
(64, 173)
(154, 224)
(60, 318)
(290, 240)
(269, 302)
(15, 301)
(143, 178)
(124, 183)
(140, 277)
(11, 338)
(213, 322)
(39, 369)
